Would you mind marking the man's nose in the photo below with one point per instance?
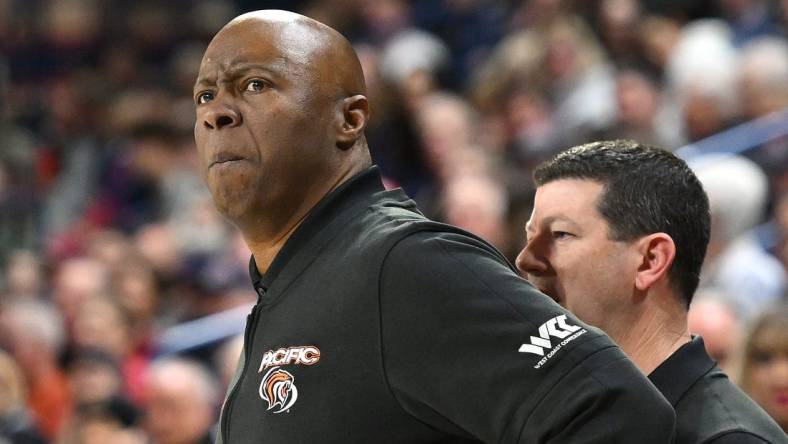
(220, 116)
(530, 262)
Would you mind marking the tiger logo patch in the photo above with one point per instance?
(278, 389)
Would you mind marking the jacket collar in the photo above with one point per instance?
(681, 370)
(327, 217)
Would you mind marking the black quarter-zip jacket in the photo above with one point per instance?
(710, 409)
(377, 325)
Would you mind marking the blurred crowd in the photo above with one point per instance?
(109, 240)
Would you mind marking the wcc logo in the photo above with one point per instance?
(557, 328)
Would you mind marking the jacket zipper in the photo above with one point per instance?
(251, 327)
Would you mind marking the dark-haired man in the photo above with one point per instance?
(617, 236)
(373, 323)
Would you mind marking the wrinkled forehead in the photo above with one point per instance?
(290, 45)
(569, 193)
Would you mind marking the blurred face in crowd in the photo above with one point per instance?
(477, 204)
(102, 431)
(178, 411)
(265, 98)
(445, 126)
(718, 326)
(12, 384)
(659, 36)
(137, 294)
(636, 98)
(23, 274)
(94, 381)
(32, 333)
(77, 280)
(570, 257)
(703, 114)
(765, 373)
(102, 324)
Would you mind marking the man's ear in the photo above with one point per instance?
(353, 118)
(657, 252)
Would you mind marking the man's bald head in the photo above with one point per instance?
(322, 52)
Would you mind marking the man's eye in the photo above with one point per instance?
(255, 85)
(204, 97)
(560, 234)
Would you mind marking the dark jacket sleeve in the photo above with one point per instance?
(472, 349)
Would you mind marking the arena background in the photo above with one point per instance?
(122, 291)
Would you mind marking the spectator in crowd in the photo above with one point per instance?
(762, 73)
(764, 91)
(23, 278)
(16, 426)
(94, 375)
(618, 26)
(101, 323)
(581, 80)
(180, 402)
(77, 280)
(477, 203)
(720, 327)
(637, 100)
(412, 61)
(111, 420)
(447, 126)
(701, 76)
(737, 267)
(33, 334)
(764, 373)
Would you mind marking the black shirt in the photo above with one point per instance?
(709, 408)
(376, 325)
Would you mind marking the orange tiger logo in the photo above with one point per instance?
(278, 389)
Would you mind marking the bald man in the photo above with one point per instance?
(374, 324)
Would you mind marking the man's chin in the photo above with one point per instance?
(231, 210)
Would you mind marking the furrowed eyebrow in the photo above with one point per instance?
(550, 220)
(239, 69)
(204, 81)
(242, 68)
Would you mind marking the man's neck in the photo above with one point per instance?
(265, 250)
(265, 240)
(660, 330)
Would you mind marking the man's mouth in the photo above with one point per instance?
(223, 158)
